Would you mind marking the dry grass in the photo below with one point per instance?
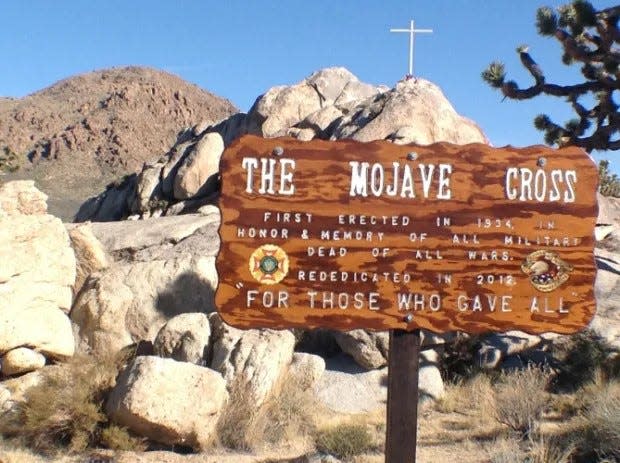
(541, 450)
(551, 450)
(63, 413)
(505, 451)
(474, 397)
(601, 422)
(520, 399)
(287, 416)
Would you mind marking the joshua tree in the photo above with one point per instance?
(590, 39)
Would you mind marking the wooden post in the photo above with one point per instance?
(402, 397)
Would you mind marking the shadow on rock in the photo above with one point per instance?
(188, 293)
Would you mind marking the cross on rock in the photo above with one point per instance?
(412, 31)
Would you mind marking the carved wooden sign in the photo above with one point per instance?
(348, 235)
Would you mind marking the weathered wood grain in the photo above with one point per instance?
(322, 185)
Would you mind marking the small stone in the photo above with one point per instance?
(21, 360)
(184, 338)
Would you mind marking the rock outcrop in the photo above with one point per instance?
(330, 104)
(36, 278)
(162, 268)
(168, 401)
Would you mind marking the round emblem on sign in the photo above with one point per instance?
(268, 264)
(546, 270)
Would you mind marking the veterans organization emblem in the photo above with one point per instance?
(268, 264)
(546, 270)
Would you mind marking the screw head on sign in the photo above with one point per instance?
(412, 156)
(278, 151)
(542, 162)
(408, 318)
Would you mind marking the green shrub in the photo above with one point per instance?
(459, 360)
(585, 355)
(9, 161)
(345, 441)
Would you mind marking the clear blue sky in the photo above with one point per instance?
(239, 49)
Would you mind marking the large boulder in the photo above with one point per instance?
(42, 325)
(163, 267)
(281, 107)
(346, 387)
(184, 338)
(306, 369)
(415, 111)
(36, 275)
(606, 321)
(368, 348)
(175, 403)
(254, 361)
(430, 383)
(21, 198)
(198, 174)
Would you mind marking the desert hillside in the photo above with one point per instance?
(84, 131)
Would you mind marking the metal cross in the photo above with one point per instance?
(412, 31)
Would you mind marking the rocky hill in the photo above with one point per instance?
(84, 131)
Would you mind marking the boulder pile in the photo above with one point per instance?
(37, 273)
(330, 104)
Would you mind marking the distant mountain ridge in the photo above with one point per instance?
(82, 132)
(120, 116)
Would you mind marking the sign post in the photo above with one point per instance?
(346, 235)
(402, 397)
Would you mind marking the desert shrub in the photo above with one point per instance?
(9, 161)
(550, 450)
(287, 415)
(609, 184)
(539, 450)
(458, 362)
(505, 451)
(586, 354)
(520, 399)
(475, 395)
(64, 411)
(345, 441)
(602, 423)
(118, 438)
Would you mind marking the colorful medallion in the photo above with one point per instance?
(546, 270)
(268, 264)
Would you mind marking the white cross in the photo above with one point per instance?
(412, 31)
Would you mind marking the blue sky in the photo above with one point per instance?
(239, 49)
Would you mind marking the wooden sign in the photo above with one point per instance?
(347, 235)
